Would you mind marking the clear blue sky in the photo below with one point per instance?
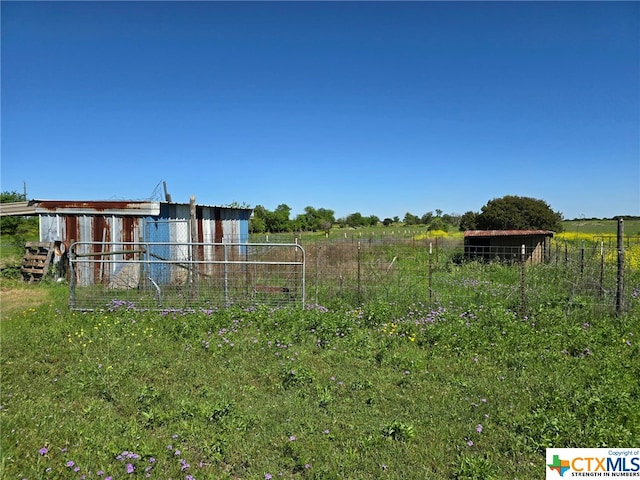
(380, 108)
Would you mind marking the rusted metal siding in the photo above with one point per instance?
(506, 233)
(110, 224)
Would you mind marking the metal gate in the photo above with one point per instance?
(169, 275)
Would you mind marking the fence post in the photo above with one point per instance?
(522, 280)
(601, 268)
(359, 291)
(620, 277)
(72, 273)
(430, 275)
(194, 238)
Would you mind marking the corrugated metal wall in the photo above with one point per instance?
(172, 225)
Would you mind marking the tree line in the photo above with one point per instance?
(510, 212)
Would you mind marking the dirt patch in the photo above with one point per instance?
(14, 300)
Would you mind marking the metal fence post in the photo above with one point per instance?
(620, 277)
(522, 281)
(359, 285)
(601, 269)
(430, 275)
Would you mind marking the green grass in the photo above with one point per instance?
(383, 391)
(601, 227)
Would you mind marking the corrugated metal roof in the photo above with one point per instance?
(102, 207)
(92, 207)
(17, 209)
(506, 233)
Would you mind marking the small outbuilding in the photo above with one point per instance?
(506, 245)
(108, 224)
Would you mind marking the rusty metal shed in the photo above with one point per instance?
(506, 245)
(110, 223)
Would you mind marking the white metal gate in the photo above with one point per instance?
(168, 275)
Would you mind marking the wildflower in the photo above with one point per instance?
(470, 443)
(43, 451)
(130, 468)
(99, 473)
(70, 463)
(326, 431)
(479, 428)
(268, 476)
(307, 465)
(292, 438)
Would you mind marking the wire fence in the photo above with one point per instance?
(568, 276)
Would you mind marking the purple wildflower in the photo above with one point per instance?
(130, 468)
(470, 443)
(479, 428)
(70, 463)
(43, 451)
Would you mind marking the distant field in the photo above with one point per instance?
(631, 227)
(573, 229)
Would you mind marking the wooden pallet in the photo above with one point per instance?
(36, 261)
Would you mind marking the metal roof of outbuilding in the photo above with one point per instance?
(506, 233)
(89, 207)
(17, 209)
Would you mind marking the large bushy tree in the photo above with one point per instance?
(512, 212)
(469, 221)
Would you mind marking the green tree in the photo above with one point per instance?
(410, 219)
(315, 219)
(280, 219)
(257, 223)
(518, 213)
(469, 221)
(354, 220)
(372, 220)
(438, 224)
(426, 218)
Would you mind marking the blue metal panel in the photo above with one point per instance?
(157, 230)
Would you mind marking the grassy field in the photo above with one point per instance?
(464, 389)
(600, 227)
(381, 391)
